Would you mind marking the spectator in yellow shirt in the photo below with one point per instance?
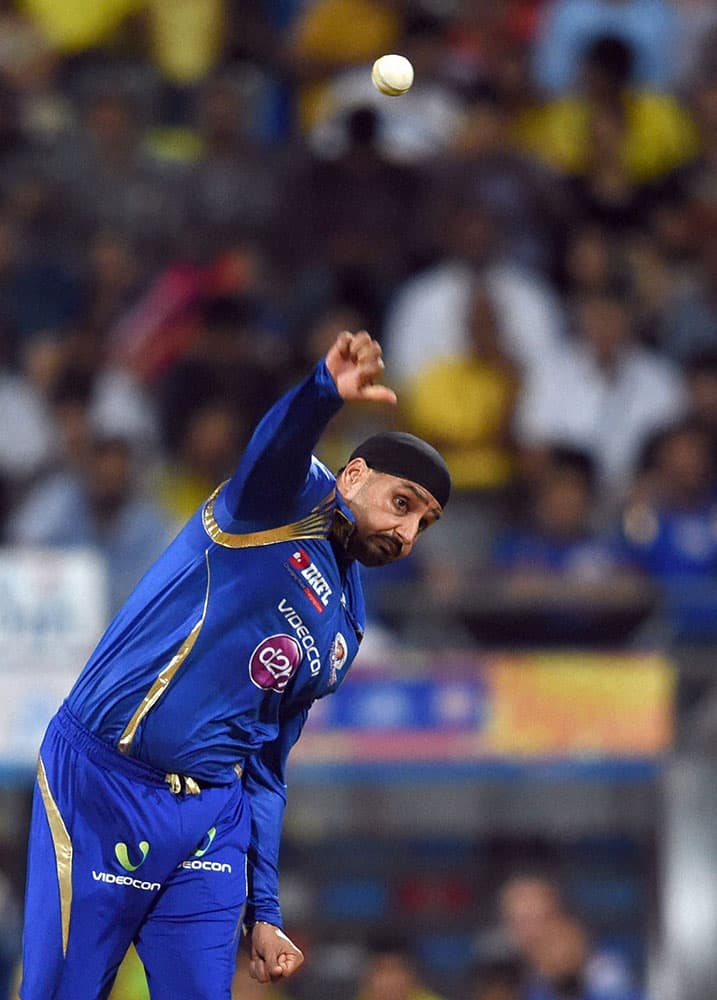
(648, 134)
(330, 35)
(390, 975)
(463, 403)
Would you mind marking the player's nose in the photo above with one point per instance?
(406, 533)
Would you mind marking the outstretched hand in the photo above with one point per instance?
(273, 955)
(355, 363)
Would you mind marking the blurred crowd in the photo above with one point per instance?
(538, 948)
(196, 195)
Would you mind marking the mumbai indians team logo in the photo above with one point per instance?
(274, 662)
(339, 654)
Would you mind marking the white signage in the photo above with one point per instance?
(53, 609)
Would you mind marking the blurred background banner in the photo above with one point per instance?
(577, 707)
(53, 605)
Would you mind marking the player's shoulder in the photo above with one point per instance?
(320, 484)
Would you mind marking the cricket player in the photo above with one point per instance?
(160, 786)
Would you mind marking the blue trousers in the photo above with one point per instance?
(115, 857)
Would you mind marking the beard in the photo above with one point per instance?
(373, 549)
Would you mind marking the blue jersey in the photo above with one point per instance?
(250, 614)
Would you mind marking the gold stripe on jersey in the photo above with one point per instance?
(166, 674)
(316, 524)
(62, 846)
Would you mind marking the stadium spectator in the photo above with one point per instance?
(422, 125)
(562, 578)
(568, 27)
(187, 38)
(101, 507)
(593, 262)
(391, 974)
(688, 324)
(206, 456)
(696, 43)
(668, 529)
(496, 980)
(233, 190)
(701, 372)
(609, 133)
(464, 402)
(28, 438)
(330, 35)
(30, 67)
(232, 355)
(484, 37)
(558, 539)
(601, 391)
(526, 198)
(438, 298)
(694, 189)
(355, 217)
(561, 961)
(113, 279)
(72, 27)
(39, 286)
(108, 180)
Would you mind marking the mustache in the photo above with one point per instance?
(394, 544)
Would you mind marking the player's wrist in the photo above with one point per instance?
(249, 925)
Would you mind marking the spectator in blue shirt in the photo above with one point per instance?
(561, 961)
(568, 27)
(561, 578)
(557, 538)
(670, 529)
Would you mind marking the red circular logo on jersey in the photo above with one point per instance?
(274, 662)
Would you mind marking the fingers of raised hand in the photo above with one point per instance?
(367, 356)
(344, 343)
(359, 343)
(379, 394)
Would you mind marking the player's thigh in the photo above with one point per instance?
(189, 941)
(101, 846)
(71, 946)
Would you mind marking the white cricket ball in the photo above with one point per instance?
(392, 75)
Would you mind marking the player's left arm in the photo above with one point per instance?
(265, 784)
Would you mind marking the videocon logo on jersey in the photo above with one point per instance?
(209, 837)
(122, 855)
(195, 862)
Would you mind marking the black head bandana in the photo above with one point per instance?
(408, 457)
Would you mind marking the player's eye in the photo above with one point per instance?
(401, 503)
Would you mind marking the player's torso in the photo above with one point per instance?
(225, 642)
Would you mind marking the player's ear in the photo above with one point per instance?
(352, 476)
